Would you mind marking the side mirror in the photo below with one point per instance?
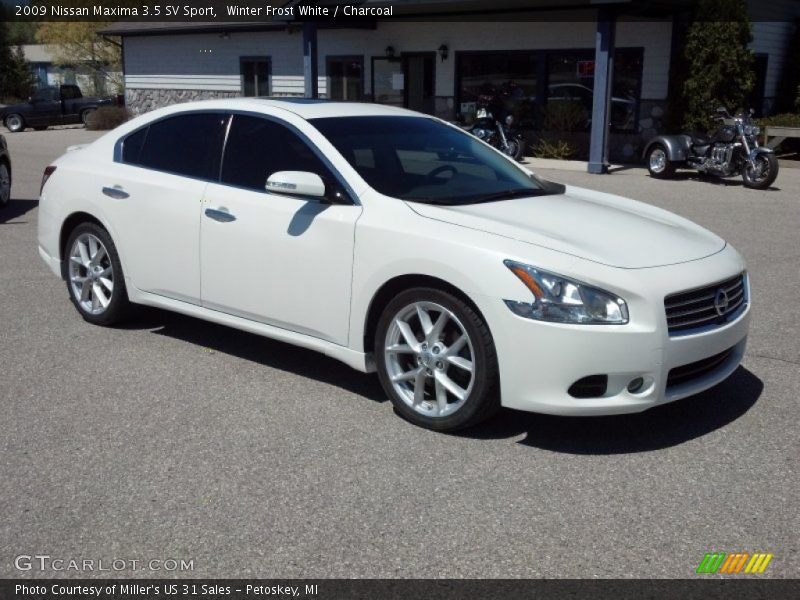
(296, 183)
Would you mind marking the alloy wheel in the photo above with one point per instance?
(430, 359)
(91, 274)
(658, 160)
(760, 169)
(14, 123)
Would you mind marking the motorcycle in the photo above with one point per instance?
(497, 132)
(730, 151)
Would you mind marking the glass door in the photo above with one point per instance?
(388, 81)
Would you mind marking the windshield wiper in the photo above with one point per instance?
(508, 194)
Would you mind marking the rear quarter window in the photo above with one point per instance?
(189, 145)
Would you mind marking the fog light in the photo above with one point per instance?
(636, 385)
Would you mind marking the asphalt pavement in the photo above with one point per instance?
(172, 438)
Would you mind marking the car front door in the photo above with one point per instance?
(154, 193)
(45, 108)
(281, 260)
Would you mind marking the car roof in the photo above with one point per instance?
(305, 108)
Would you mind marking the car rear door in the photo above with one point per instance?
(281, 260)
(154, 193)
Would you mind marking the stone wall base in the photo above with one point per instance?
(140, 101)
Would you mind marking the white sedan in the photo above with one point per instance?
(397, 243)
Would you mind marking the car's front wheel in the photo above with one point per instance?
(436, 360)
(94, 276)
(15, 123)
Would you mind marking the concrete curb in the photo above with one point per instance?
(564, 165)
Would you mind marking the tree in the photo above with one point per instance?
(77, 45)
(16, 79)
(720, 63)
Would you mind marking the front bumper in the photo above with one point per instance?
(540, 361)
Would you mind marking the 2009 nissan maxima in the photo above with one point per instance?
(395, 242)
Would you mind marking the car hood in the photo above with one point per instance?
(603, 228)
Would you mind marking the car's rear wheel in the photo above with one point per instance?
(658, 163)
(15, 123)
(436, 360)
(86, 115)
(94, 276)
(5, 184)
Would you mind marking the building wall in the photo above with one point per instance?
(772, 37)
(165, 69)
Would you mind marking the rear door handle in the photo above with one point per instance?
(116, 192)
(221, 215)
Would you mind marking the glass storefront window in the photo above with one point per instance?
(345, 78)
(571, 81)
(511, 78)
(506, 79)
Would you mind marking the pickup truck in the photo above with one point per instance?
(54, 105)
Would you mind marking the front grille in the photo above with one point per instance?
(698, 308)
(695, 370)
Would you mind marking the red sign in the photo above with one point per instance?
(585, 68)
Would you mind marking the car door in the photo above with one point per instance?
(154, 193)
(45, 108)
(281, 260)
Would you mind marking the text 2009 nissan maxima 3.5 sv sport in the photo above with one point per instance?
(395, 242)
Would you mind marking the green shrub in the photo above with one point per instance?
(564, 115)
(551, 147)
(107, 117)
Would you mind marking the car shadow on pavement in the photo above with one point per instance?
(655, 429)
(258, 349)
(15, 209)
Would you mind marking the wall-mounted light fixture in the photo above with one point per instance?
(389, 51)
(444, 52)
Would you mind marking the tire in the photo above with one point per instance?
(513, 149)
(5, 184)
(78, 264)
(14, 123)
(86, 115)
(433, 386)
(762, 180)
(658, 163)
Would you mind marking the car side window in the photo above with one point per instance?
(45, 95)
(132, 146)
(257, 148)
(189, 145)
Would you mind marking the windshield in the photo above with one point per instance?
(423, 160)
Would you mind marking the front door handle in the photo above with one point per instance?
(116, 192)
(221, 215)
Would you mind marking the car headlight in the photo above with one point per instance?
(562, 300)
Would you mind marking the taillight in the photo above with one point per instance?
(47, 172)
